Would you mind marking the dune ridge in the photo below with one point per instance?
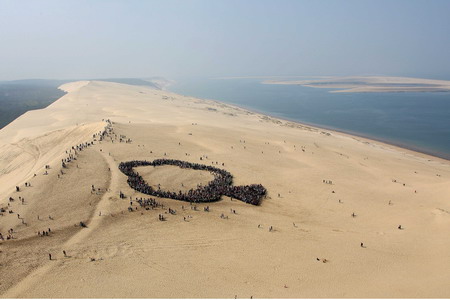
(327, 193)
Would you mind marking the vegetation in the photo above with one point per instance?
(18, 97)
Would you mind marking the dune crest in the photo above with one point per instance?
(73, 86)
(343, 216)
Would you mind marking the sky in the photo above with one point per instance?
(77, 39)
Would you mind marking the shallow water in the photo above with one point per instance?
(419, 121)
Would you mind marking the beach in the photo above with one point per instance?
(344, 216)
(372, 84)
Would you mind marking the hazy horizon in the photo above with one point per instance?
(175, 39)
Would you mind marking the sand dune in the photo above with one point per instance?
(313, 251)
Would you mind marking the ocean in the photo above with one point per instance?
(417, 121)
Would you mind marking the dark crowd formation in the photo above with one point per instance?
(222, 184)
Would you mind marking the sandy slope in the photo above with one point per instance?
(206, 256)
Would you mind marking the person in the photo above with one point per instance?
(400, 227)
(362, 245)
(64, 252)
(50, 256)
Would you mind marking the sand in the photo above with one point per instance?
(133, 254)
(371, 84)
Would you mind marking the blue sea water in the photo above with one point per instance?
(418, 121)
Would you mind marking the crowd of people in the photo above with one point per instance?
(70, 156)
(222, 184)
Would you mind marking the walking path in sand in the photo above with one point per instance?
(79, 237)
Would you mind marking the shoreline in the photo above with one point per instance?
(353, 134)
(348, 133)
